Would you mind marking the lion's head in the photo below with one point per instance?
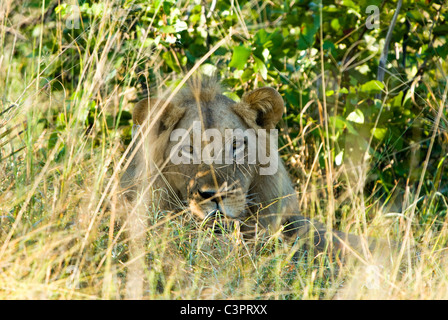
(219, 168)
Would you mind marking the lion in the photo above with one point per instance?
(235, 190)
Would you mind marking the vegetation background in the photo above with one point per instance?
(366, 151)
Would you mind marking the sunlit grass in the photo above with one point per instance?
(64, 227)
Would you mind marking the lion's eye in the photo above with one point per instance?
(238, 146)
(187, 151)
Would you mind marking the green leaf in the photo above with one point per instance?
(350, 4)
(340, 123)
(171, 61)
(247, 75)
(441, 30)
(335, 24)
(168, 29)
(61, 9)
(328, 45)
(262, 38)
(416, 15)
(167, 6)
(52, 140)
(239, 57)
(396, 101)
(308, 33)
(442, 51)
(356, 116)
(232, 95)
(379, 133)
(372, 86)
(260, 67)
(306, 38)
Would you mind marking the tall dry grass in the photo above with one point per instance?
(64, 231)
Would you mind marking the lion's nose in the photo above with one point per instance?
(211, 194)
(207, 194)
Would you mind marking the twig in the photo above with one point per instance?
(383, 58)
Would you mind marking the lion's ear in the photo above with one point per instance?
(261, 108)
(170, 115)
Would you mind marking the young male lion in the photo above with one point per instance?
(237, 190)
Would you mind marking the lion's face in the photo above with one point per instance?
(206, 178)
(215, 185)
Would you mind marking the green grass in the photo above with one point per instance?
(63, 226)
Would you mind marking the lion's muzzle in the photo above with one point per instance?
(206, 201)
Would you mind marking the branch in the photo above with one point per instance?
(383, 58)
